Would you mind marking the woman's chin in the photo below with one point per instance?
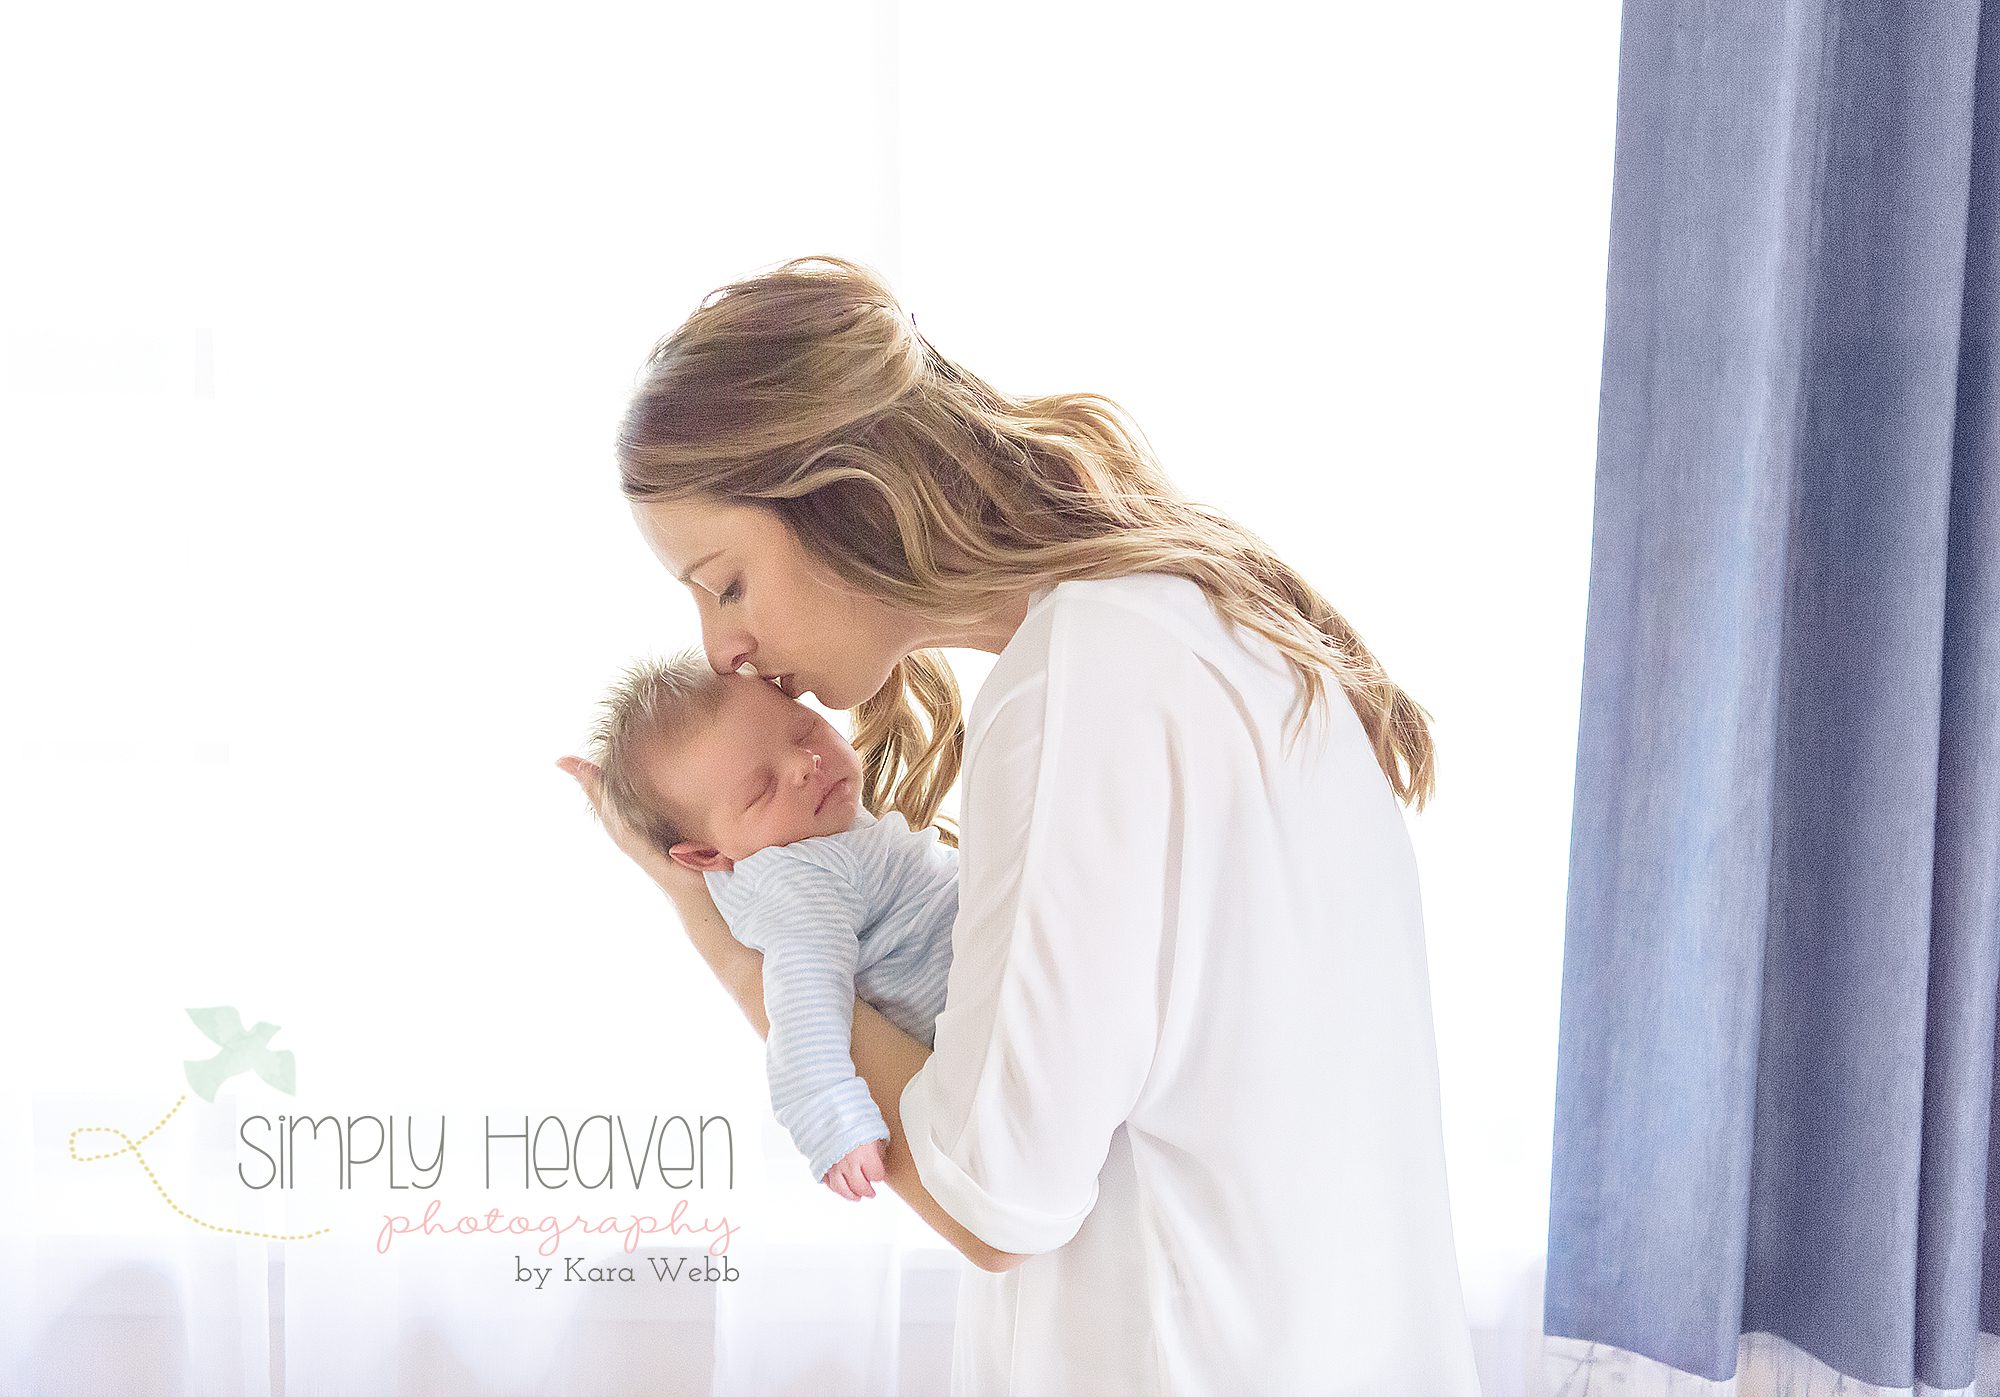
(833, 696)
(841, 692)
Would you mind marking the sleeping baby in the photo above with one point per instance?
(728, 775)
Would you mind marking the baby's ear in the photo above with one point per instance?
(702, 858)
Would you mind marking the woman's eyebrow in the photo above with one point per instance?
(692, 566)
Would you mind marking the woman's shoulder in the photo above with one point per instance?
(1142, 635)
(1149, 617)
(1157, 637)
(1136, 619)
(1136, 590)
(1155, 606)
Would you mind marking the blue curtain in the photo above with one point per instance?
(1775, 1082)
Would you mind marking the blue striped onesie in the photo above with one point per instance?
(869, 913)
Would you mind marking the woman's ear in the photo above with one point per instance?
(702, 858)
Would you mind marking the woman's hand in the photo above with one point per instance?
(737, 966)
(678, 882)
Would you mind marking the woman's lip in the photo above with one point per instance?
(827, 794)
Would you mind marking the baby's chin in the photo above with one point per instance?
(839, 816)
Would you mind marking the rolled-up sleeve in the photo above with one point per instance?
(1069, 864)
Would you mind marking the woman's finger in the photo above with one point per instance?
(588, 776)
(586, 773)
(658, 864)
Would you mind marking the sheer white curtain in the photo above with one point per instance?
(314, 337)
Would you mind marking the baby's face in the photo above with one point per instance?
(765, 771)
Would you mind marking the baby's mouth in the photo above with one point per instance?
(827, 794)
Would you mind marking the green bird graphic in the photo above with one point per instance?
(241, 1052)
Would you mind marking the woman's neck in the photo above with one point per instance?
(990, 635)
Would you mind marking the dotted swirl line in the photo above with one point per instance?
(132, 1148)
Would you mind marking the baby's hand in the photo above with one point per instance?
(851, 1174)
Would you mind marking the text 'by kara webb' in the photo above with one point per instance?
(601, 1152)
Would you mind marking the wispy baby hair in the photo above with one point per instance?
(653, 701)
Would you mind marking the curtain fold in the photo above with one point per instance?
(1775, 1073)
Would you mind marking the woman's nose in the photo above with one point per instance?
(723, 637)
(727, 653)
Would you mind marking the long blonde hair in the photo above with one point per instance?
(809, 391)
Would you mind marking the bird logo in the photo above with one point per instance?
(243, 1050)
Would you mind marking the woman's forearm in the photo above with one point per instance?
(737, 966)
(885, 1058)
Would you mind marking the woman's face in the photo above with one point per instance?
(764, 602)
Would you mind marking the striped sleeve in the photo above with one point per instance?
(808, 924)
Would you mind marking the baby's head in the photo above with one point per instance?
(713, 767)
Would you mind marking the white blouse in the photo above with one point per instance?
(1186, 1058)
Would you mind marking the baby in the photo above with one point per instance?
(729, 775)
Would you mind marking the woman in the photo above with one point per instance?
(1182, 1112)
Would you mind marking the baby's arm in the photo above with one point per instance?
(810, 930)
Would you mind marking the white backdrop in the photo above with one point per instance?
(316, 327)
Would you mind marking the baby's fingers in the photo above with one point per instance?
(853, 1180)
(838, 1184)
(857, 1173)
